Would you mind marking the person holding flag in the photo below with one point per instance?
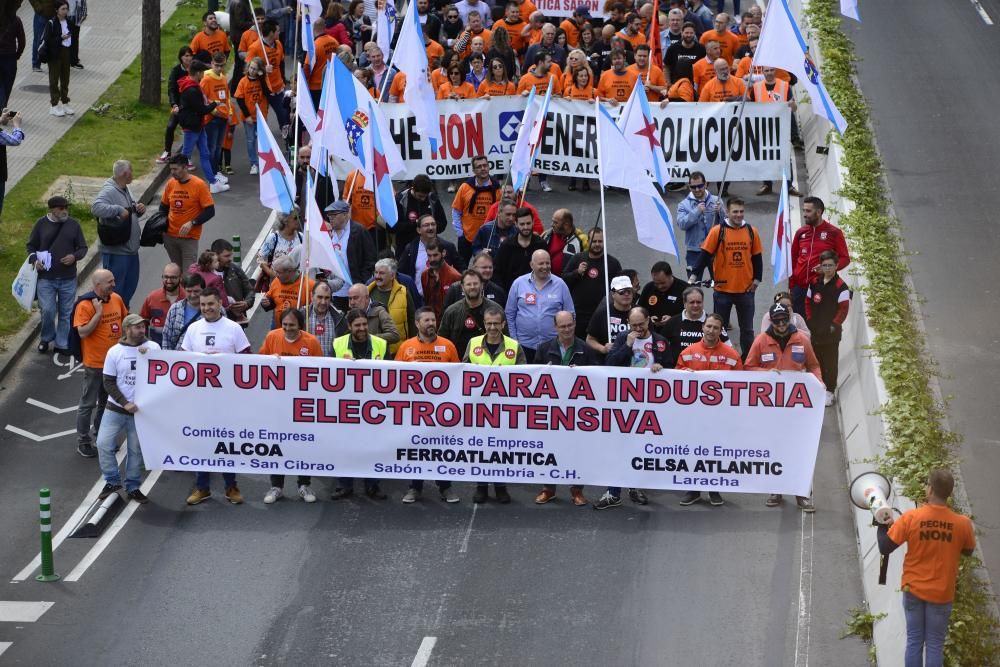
(653, 81)
(781, 246)
(472, 201)
(767, 90)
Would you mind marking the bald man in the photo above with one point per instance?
(533, 302)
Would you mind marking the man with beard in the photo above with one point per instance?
(462, 321)
(587, 282)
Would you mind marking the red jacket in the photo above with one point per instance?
(808, 243)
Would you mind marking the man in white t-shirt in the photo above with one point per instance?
(119, 383)
(214, 334)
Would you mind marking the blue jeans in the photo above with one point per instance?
(278, 103)
(799, 300)
(199, 139)
(216, 131)
(38, 27)
(202, 477)
(125, 269)
(723, 303)
(112, 425)
(56, 297)
(250, 131)
(691, 257)
(926, 623)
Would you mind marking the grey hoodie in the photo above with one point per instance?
(109, 204)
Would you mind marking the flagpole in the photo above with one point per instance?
(739, 119)
(260, 36)
(604, 221)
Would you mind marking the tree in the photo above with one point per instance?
(150, 85)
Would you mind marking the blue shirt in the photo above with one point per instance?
(530, 310)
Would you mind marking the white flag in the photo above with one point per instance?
(849, 8)
(636, 123)
(321, 254)
(304, 105)
(411, 58)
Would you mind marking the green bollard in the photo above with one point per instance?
(45, 517)
(237, 249)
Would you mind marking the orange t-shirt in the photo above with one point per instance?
(572, 32)
(326, 47)
(656, 78)
(306, 345)
(743, 68)
(697, 357)
(464, 91)
(534, 35)
(216, 89)
(717, 91)
(635, 40)
(617, 86)
(362, 200)
(248, 39)
(434, 52)
(441, 350)
(540, 84)
(438, 78)
(703, 71)
(487, 36)
(107, 333)
(473, 213)
(731, 266)
(571, 92)
(526, 8)
(517, 41)
(728, 42)
(185, 201)
(252, 93)
(289, 296)
(494, 89)
(682, 91)
(935, 537)
(275, 57)
(397, 89)
(214, 43)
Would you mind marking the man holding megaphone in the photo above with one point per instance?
(935, 537)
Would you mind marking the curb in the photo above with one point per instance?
(21, 342)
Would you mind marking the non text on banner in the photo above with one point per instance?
(711, 431)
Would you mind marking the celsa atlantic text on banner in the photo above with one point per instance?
(693, 137)
(751, 432)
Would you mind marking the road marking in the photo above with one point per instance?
(51, 408)
(805, 592)
(468, 531)
(4, 646)
(111, 531)
(72, 367)
(423, 655)
(982, 12)
(22, 612)
(70, 524)
(38, 438)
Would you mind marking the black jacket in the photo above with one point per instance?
(621, 353)
(410, 209)
(360, 254)
(408, 260)
(173, 92)
(548, 353)
(60, 239)
(194, 107)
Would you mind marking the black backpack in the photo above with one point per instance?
(114, 231)
(153, 230)
(75, 346)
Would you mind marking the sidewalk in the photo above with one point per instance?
(110, 39)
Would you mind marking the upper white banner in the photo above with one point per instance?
(692, 136)
(710, 431)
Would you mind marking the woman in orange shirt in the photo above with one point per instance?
(440, 75)
(456, 88)
(496, 84)
(582, 88)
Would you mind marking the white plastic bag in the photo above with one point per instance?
(24, 285)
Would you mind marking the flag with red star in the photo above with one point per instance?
(319, 246)
(641, 134)
(385, 199)
(277, 183)
(781, 246)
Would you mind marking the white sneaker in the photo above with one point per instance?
(546, 187)
(273, 495)
(164, 158)
(221, 178)
(57, 110)
(306, 494)
(253, 170)
(68, 109)
(829, 398)
(411, 496)
(216, 188)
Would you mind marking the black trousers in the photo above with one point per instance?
(828, 354)
(59, 76)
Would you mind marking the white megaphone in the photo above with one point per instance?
(870, 491)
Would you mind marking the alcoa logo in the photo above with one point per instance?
(510, 121)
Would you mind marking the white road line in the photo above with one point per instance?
(4, 646)
(805, 592)
(22, 612)
(70, 524)
(111, 531)
(982, 12)
(251, 257)
(38, 438)
(423, 655)
(468, 531)
(51, 408)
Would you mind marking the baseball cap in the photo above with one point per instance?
(779, 312)
(132, 319)
(621, 282)
(339, 206)
(582, 10)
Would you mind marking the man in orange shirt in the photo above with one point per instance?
(526, 8)
(362, 201)
(433, 49)
(538, 76)
(532, 32)
(734, 248)
(212, 39)
(97, 320)
(632, 32)
(724, 87)
(571, 26)
(326, 48)
(249, 37)
(474, 198)
(653, 80)
(474, 28)
(188, 205)
(286, 290)
(271, 51)
(617, 83)
(428, 347)
(703, 69)
(935, 538)
(728, 42)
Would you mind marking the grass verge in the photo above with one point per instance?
(917, 439)
(124, 129)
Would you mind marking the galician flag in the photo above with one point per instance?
(304, 104)
(781, 246)
(385, 25)
(320, 158)
(411, 58)
(321, 254)
(849, 8)
(346, 121)
(781, 45)
(636, 123)
(529, 137)
(382, 151)
(308, 38)
(277, 183)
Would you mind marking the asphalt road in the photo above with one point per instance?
(360, 582)
(939, 149)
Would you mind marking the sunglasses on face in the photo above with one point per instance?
(697, 186)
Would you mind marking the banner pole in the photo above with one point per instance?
(260, 36)
(604, 220)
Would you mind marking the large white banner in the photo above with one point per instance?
(567, 7)
(711, 431)
(692, 136)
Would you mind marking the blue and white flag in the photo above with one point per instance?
(319, 160)
(345, 120)
(304, 105)
(308, 38)
(411, 59)
(385, 198)
(782, 45)
(636, 123)
(277, 183)
(849, 8)
(385, 25)
(781, 246)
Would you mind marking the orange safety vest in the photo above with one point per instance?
(761, 93)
